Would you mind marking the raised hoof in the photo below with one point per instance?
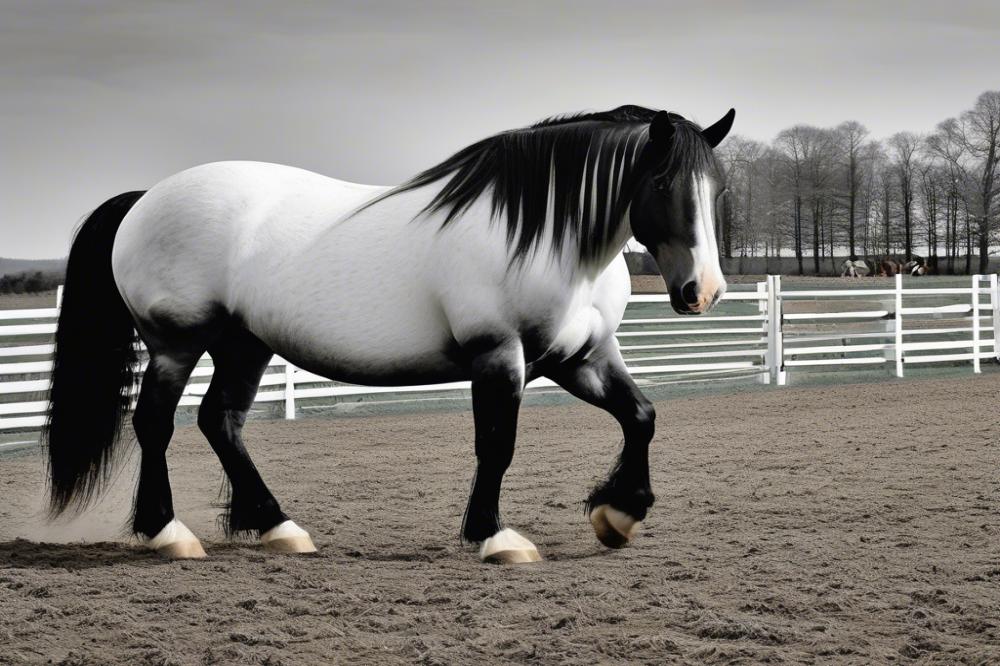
(508, 547)
(614, 528)
(287, 538)
(177, 542)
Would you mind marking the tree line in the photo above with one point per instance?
(819, 192)
(29, 282)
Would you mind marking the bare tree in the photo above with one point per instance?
(971, 144)
(792, 143)
(820, 156)
(932, 183)
(772, 214)
(851, 136)
(806, 152)
(904, 150)
(872, 158)
(742, 159)
(885, 185)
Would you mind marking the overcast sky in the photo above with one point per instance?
(97, 98)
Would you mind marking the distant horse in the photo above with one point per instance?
(915, 267)
(854, 267)
(499, 265)
(888, 267)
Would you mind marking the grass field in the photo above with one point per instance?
(25, 301)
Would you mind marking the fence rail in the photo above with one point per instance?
(763, 330)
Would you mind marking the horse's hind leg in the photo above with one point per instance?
(619, 504)
(153, 514)
(240, 359)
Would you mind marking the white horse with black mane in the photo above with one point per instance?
(501, 264)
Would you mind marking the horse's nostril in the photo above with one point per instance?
(690, 293)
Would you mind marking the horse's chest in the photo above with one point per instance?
(577, 332)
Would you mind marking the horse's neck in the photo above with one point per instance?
(612, 247)
(573, 266)
(546, 254)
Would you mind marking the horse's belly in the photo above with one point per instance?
(359, 328)
(374, 356)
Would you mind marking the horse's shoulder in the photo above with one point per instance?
(612, 291)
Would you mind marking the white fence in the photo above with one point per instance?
(761, 330)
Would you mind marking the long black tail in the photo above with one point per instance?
(95, 361)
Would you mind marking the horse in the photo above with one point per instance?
(854, 267)
(887, 267)
(915, 267)
(499, 265)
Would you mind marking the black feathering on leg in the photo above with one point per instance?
(623, 490)
(243, 521)
(627, 487)
(249, 509)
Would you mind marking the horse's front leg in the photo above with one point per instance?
(497, 385)
(617, 506)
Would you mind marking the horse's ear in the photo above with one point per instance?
(717, 132)
(661, 129)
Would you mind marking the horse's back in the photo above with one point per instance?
(283, 251)
(189, 242)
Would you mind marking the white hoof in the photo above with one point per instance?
(177, 542)
(614, 528)
(508, 547)
(287, 537)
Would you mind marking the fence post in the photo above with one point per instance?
(976, 279)
(995, 302)
(763, 303)
(59, 292)
(775, 342)
(897, 346)
(289, 391)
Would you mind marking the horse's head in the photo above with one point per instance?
(673, 212)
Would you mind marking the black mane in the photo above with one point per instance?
(580, 165)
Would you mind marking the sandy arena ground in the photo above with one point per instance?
(846, 524)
